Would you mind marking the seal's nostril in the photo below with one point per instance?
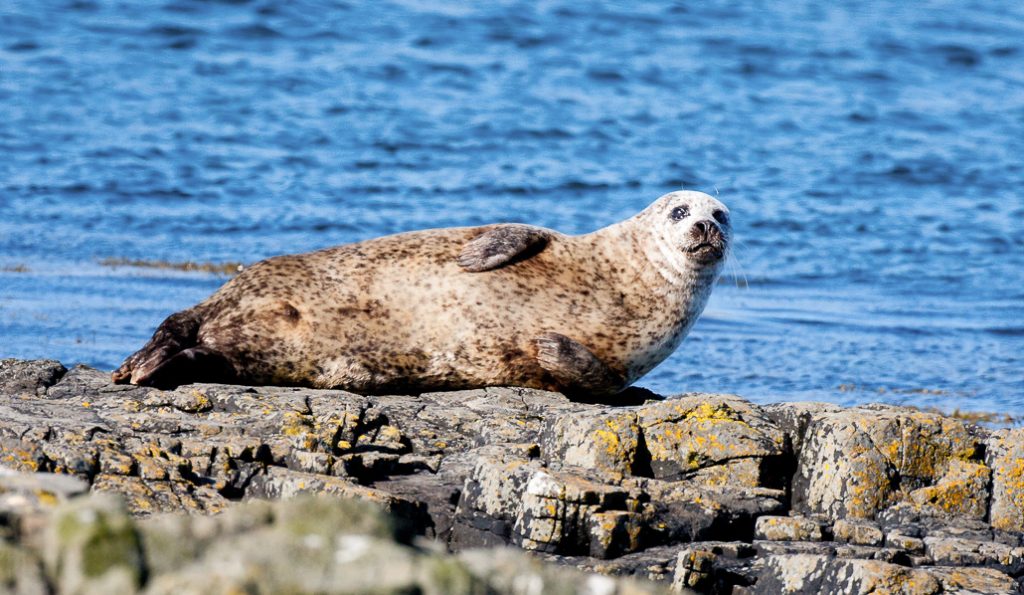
(704, 228)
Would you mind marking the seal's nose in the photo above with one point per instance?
(706, 230)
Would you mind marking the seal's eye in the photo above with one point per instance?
(679, 213)
(721, 216)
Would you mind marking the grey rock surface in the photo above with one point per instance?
(787, 528)
(700, 492)
(310, 544)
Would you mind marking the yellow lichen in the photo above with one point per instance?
(706, 412)
(389, 434)
(202, 402)
(610, 440)
(46, 498)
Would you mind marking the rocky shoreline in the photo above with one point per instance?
(703, 492)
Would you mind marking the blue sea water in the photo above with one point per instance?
(870, 152)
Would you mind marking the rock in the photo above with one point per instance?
(901, 541)
(509, 571)
(92, 546)
(20, 492)
(18, 377)
(694, 570)
(306, 545)
(979, 581)
(795, 418)
(559, 513)
(858, 532)
(705, 492)
(787, 528)
(962, 492)
(712, 440)
(859, 461)
(786, 548)
(803, 573)
(1005, 455)
(682, 512)
(604, 443)
(952, 551)
(21, 571)
(659, 563)
(865, 552)
(491, 500)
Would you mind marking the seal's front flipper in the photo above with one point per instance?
(501, 245)
(574, 367)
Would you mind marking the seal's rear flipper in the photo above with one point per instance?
(574, 367)
(501, 245)
(196, 364)
(174, 341)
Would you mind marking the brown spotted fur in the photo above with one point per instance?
(399, 313)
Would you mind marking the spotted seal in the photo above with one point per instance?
(445, 309)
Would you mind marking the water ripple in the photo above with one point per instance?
(871, 165)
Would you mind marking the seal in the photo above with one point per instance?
(456, 308)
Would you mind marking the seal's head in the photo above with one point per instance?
(691, 231)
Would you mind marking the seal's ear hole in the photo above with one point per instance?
(679, 213)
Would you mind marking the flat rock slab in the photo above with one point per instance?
(706, 492)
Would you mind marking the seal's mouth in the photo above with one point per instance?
(707, 251)
(707, 242)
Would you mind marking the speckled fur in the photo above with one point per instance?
(399, 313)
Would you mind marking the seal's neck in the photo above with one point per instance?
(660, 266)
(666, 291)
